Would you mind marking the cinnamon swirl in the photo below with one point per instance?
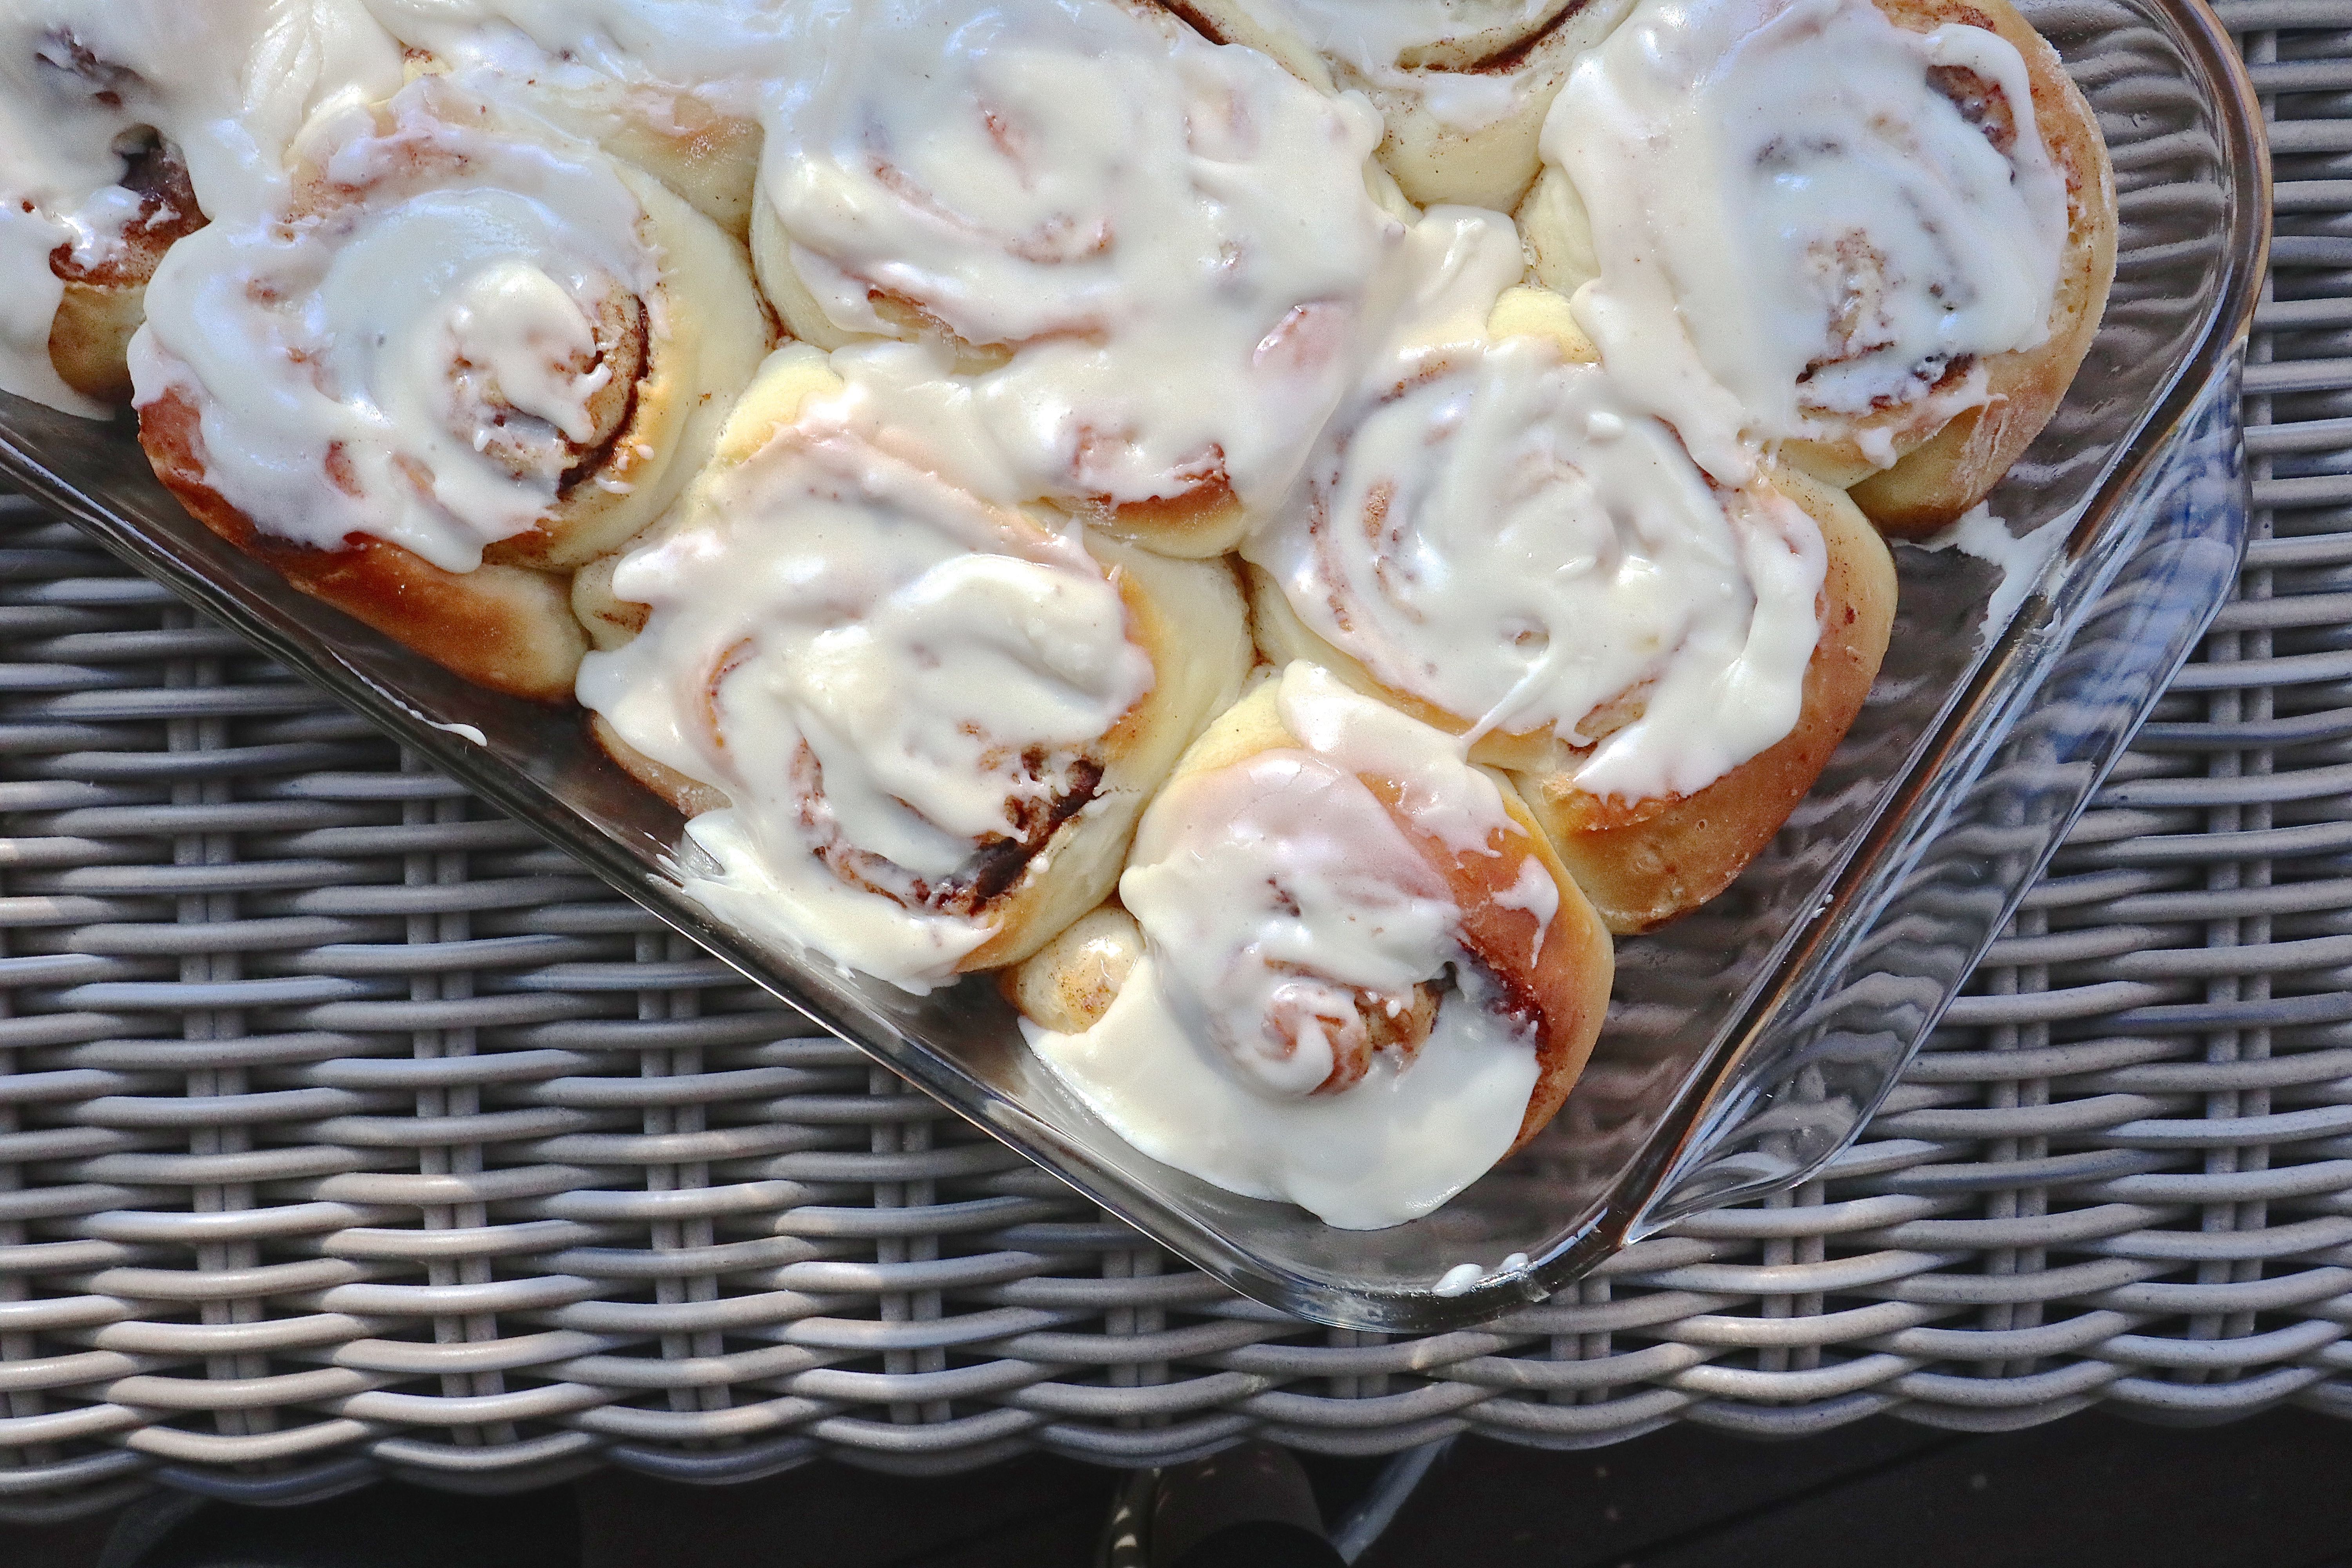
(913, 728)
(121, 123)
(1153, 259)
(1893, 235)
(466, 347)
(1462, 86)
(1354, 978)
(1501, 541)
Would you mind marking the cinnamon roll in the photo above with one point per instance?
(669, 88)
(913, 727)
(1462, 86)
(1346, 971)
(1892, 243)
(1142, 263)
(466, 348)
(122, 122)
(1501, 541)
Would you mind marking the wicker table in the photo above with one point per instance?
(346, 1131)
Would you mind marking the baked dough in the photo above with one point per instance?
(105, 297)
(1550, 976)
(888, 558)
(1646, 862)
(1155, 264)
(1641, 861)
(580, 394)
(1915, 464)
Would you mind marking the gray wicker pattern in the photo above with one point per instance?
(344, 1130)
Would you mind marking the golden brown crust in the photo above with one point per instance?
(105, 301)
(499, 626)
(1645, 865)
(1946, 470)
(689, 797)
(1567, 988)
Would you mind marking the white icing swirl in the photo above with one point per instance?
(1277, 896)
(411, 353)
(1175, 237)
(226, 83)
(1509, 538)
(1794, 224)
(885, 674)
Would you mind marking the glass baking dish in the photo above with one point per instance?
(1746, 1044)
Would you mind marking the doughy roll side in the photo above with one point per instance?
(705, 153)
(505, 627)
(1646, 862)
(1551, 974)
(1462, 88)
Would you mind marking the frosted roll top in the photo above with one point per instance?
(804, 623)
(1509, 539)
(444, 324)
(1171, 240)
(1306, 1024)
(1837, 236)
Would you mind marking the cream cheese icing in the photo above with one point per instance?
(1510, 539)
(412, 356)
(227, 84)
(1838, 237)
(1173, 241)
(1272, 894)
(884, 673)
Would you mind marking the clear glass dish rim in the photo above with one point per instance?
(2019, 657)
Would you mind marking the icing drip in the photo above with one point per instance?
(1278, 1038)
(1171, 240)
(902, 689)
(1843, 238)
(1509, 538)
(426, 345)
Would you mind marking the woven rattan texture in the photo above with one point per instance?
(345, 1130)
